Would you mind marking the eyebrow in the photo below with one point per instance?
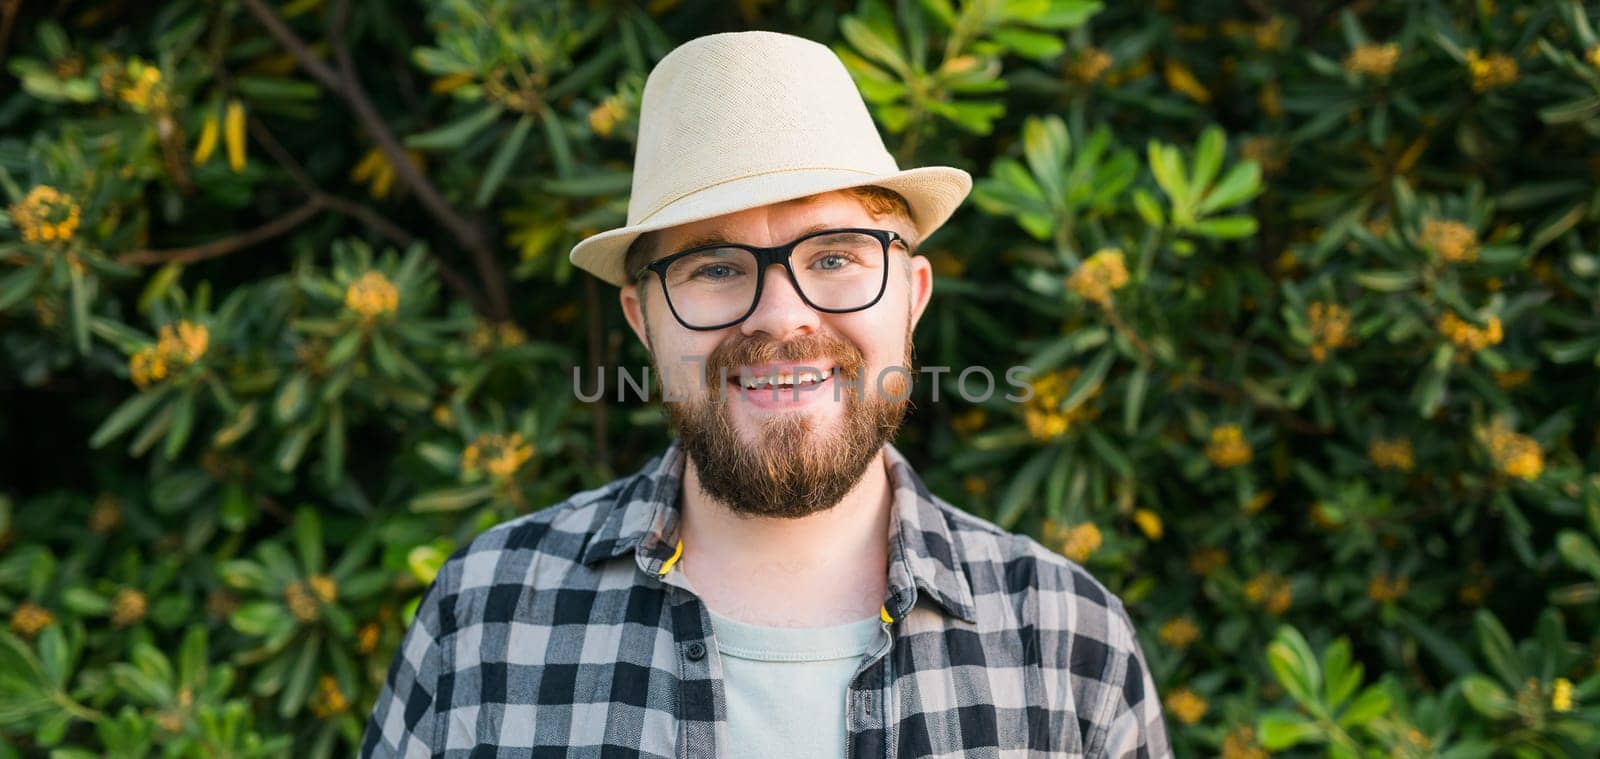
(720, 236)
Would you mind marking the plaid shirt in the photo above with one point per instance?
(565, 633)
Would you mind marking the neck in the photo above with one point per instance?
(826, 568)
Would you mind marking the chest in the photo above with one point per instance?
(625, 669)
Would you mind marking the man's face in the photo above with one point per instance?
(784, 450)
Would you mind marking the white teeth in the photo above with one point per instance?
(806, 376)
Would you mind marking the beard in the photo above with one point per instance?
(793, 469)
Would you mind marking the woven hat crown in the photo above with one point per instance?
(730, 106)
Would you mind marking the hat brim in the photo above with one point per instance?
(933, 192)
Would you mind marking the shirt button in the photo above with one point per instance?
(696, 652)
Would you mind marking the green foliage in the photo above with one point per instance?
(1306, 302)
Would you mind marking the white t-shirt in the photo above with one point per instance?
(786, 686)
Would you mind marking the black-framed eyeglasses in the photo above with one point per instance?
(716, 286)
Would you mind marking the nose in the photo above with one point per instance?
(782, 313)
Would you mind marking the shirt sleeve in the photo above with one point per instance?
(404, 717)
(1136, 729)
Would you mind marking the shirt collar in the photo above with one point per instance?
(924, 555)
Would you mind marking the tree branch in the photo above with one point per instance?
(226, 245)
(361, 213)
(344, 82)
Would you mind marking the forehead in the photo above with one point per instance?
(769, 224)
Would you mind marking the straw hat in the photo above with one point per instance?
(742, 120)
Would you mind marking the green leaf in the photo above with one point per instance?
(1038, 46)
(874, 47)
(308, 539)
(1241, 183)
(260, 618)
(1225, 227)
(452, 499)
(1295, 666)
(503, 158)
(1207, 161)
(291, 399)
(1090, 380)
(1138, 382)
(1281, 729)
(126, 415)
(298, 686)
(1487, 697)
(1498, 649)
(1579, 552)
(1373, 702)
(1022, 487)
(455, 134)
(18, 285)
(182, 423)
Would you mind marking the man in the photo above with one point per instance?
(778, 583)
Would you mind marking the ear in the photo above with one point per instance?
(921, 286)
(633, 311)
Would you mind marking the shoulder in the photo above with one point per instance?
(1030, 586)
(503, 554)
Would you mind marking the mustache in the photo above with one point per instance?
(745, 350)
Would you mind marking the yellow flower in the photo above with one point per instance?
(147, 366)
(1271, 99)
(1088, 66)
(1077, 542)
(128, 607)
(1512, 378)
(329, 700)
(1330, 328)
(1042, 413)
(1149, 523)
(1241, 743)
(1373, 59)
(1271, 590)
(603, 118)
(107, 514)
(28, 619)
(1258, 501)
(974, 485)
(144, 92)
(367, 638)
(324, 588)
(486, 336)
(45, 215)
(375, 170)
(499, 456)
(1099, 275)
(1514, 454)
(371, 297)
(1180, 78)
(208, 141)
(183, 342)
(1179, 632)
(1453, 241)
(1186, 706)
(445, 85)
(233, 134)
(1561, 695)
(1227, 447)
(1467, 337)
(300, 602)
(1267, 152)
(1593, 55)
(1268, 35)
(1492, 72)
(1383, 588)
(970, 421)
(1393, 453)
(1207, 560)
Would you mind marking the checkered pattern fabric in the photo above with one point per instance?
(565, 633)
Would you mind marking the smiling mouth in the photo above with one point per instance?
(789, 380)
